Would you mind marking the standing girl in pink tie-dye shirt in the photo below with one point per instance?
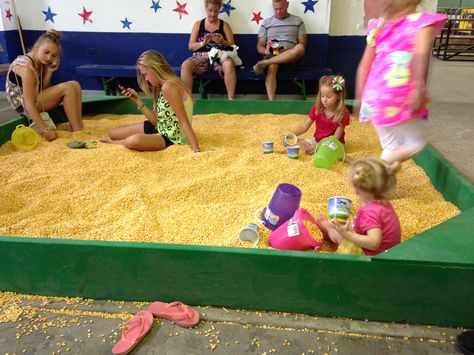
(391, 77)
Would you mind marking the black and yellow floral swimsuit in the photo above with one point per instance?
(168, 124)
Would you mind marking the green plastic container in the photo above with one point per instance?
(328, 152)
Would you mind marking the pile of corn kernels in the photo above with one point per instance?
(176, 196)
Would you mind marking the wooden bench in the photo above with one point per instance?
(109, 73)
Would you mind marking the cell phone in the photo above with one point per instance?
(121, 88)
(53, 64)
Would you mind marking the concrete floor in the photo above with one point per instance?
(35, 325)
(451, 132)
(52, 326)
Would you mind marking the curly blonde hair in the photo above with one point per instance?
(156, 62)
(374, 175)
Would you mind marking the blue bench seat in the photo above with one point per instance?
(108, 73)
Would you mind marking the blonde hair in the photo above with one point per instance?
(329, 81)
(374, 175)
(397, 6)
(217, 3)
(51, 35)
(155, 61)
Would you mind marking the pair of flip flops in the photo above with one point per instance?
(81, 144)
(140, 324)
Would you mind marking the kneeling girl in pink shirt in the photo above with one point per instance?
(376, 226)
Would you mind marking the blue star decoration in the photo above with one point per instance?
(155, 5)
(126, 23)
(49, 15)
(227, 8)
(309, 5)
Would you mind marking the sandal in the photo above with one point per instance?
(133, 332)
(177, 312)
(81, 144)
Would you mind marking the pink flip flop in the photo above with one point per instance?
(133, 332)
(177, 312)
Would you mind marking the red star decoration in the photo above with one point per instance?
(257, 17)
(9, 15)
(86, 15)
(181, 9)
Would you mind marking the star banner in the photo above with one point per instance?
(155, 16)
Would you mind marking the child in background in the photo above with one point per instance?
(329, 114)
(376, 225)
(170, 120)
(391, 77)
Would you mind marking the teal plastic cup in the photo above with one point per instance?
(293, 151)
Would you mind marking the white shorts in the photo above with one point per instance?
(408, 135)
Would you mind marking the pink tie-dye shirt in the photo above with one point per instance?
(390, 80)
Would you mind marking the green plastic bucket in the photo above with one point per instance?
(328, 152)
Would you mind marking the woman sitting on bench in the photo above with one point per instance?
(207, 33)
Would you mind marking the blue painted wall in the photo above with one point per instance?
(341, 53)
(344, 53)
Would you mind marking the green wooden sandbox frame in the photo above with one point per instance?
(428, 279)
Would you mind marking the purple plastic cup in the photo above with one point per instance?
(283, 205)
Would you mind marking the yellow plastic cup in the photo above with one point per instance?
(25, 138)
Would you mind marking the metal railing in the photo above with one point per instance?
(456, 40)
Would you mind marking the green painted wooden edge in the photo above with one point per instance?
(326, 285)
(451, 242)
(446, 179)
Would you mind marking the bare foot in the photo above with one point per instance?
(65, 126)
(328, 231)
(259, 68)
(107, 140)
(321, 222)
(347, 159)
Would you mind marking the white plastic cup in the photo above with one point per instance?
(267, 147)
(250, 232)
(290, 139)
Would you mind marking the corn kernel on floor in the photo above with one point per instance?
(179, 197)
